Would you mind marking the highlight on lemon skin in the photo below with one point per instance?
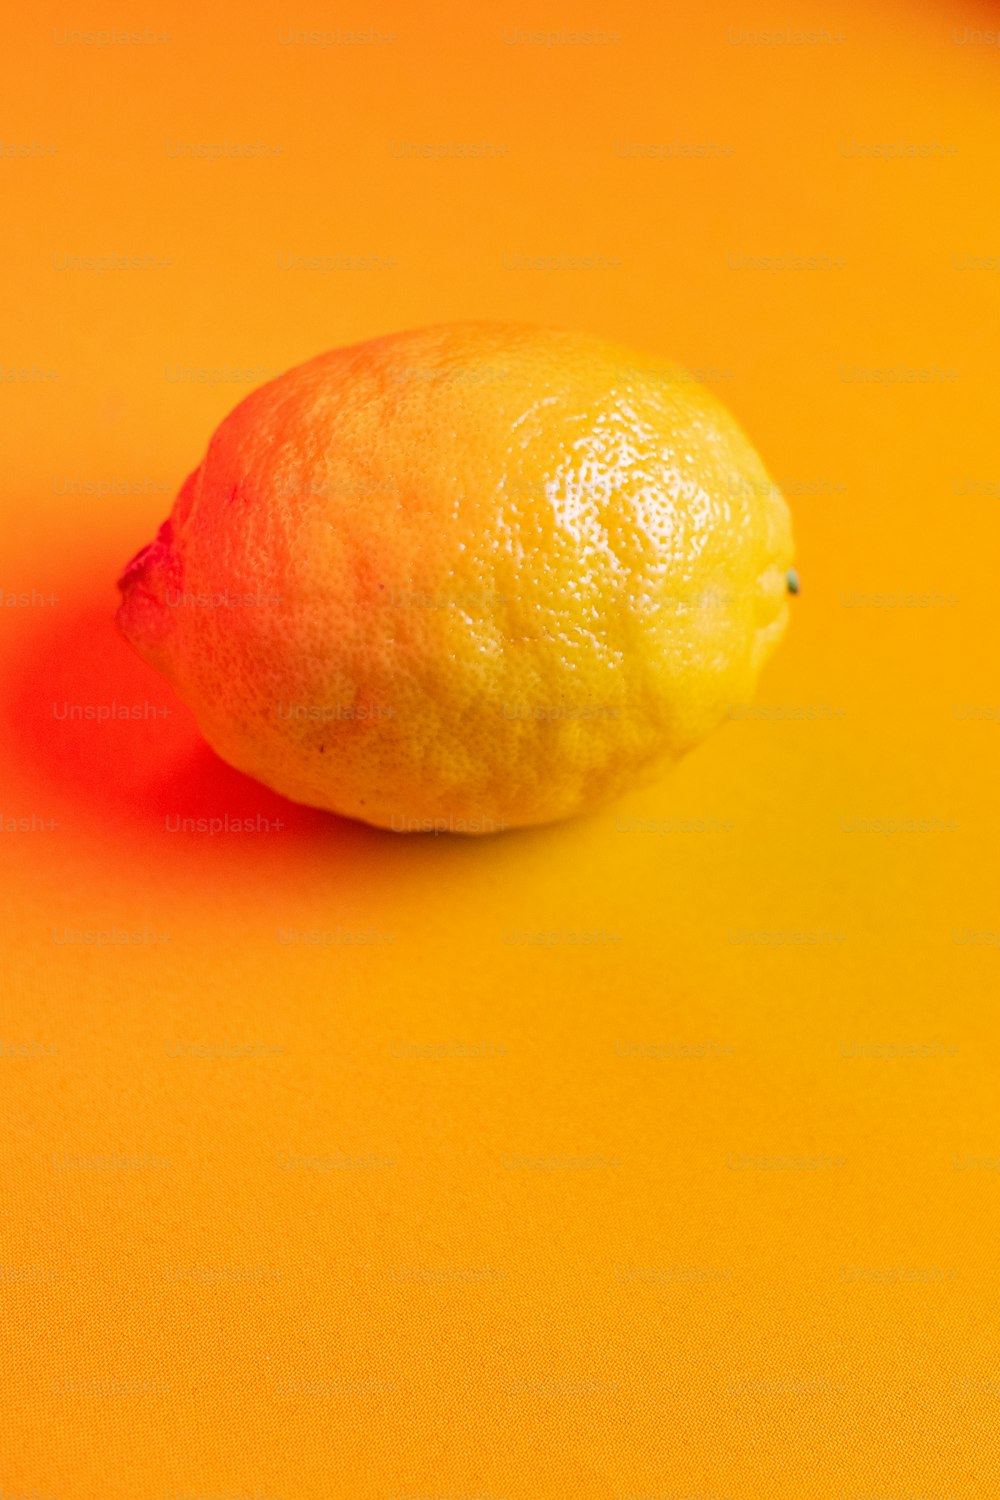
(466, 578)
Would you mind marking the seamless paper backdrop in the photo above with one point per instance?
(655, 1154)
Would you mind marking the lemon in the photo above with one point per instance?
(469, 577)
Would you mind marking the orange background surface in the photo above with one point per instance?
(753, 1250)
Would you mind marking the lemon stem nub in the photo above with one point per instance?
(792, 579)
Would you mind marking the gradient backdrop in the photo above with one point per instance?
(708, 1206)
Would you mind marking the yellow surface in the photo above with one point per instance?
(792, 945)
(466, 578)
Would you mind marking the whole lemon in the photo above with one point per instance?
(470, 577)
